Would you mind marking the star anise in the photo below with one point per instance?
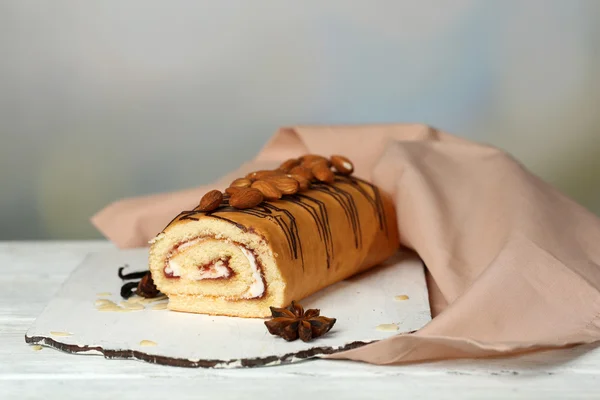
(146, 287)
(293, 322)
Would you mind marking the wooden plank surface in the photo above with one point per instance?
(34, 271)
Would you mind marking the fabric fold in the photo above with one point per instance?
(513, 264)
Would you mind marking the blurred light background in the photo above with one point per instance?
(107, 99)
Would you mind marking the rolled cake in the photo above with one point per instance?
(238, 254)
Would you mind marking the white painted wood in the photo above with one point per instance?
(302, 387)
(32, 273)
(359, 304)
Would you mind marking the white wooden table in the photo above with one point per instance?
(31, 272)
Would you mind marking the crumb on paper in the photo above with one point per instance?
(387, 327)
(160, 306)
(36, 347)
(103, 294)
(59, 333)
(401, 297)
(147, 343)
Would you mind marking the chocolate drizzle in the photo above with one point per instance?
(321, 219)
(375, 200)
(242, 227)
(278, 216)
(317, 210)
(348, 205)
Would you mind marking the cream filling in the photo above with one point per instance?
(257, 287)
(215, 271)
(218, 270)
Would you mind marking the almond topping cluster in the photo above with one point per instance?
(292, 176)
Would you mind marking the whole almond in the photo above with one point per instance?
(323, 173)
(312, 164)
(302, 171)
(284, 184)
(241, 183)
(289, 164)
(311, 160)
(303, 183)
(211, 201)
(256, 175)
(232, 189)
(246, 198)
(310, 157)
(268, 190)
(342, 165)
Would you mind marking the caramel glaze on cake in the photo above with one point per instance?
(242, 254)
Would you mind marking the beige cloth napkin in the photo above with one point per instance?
(514, 265)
